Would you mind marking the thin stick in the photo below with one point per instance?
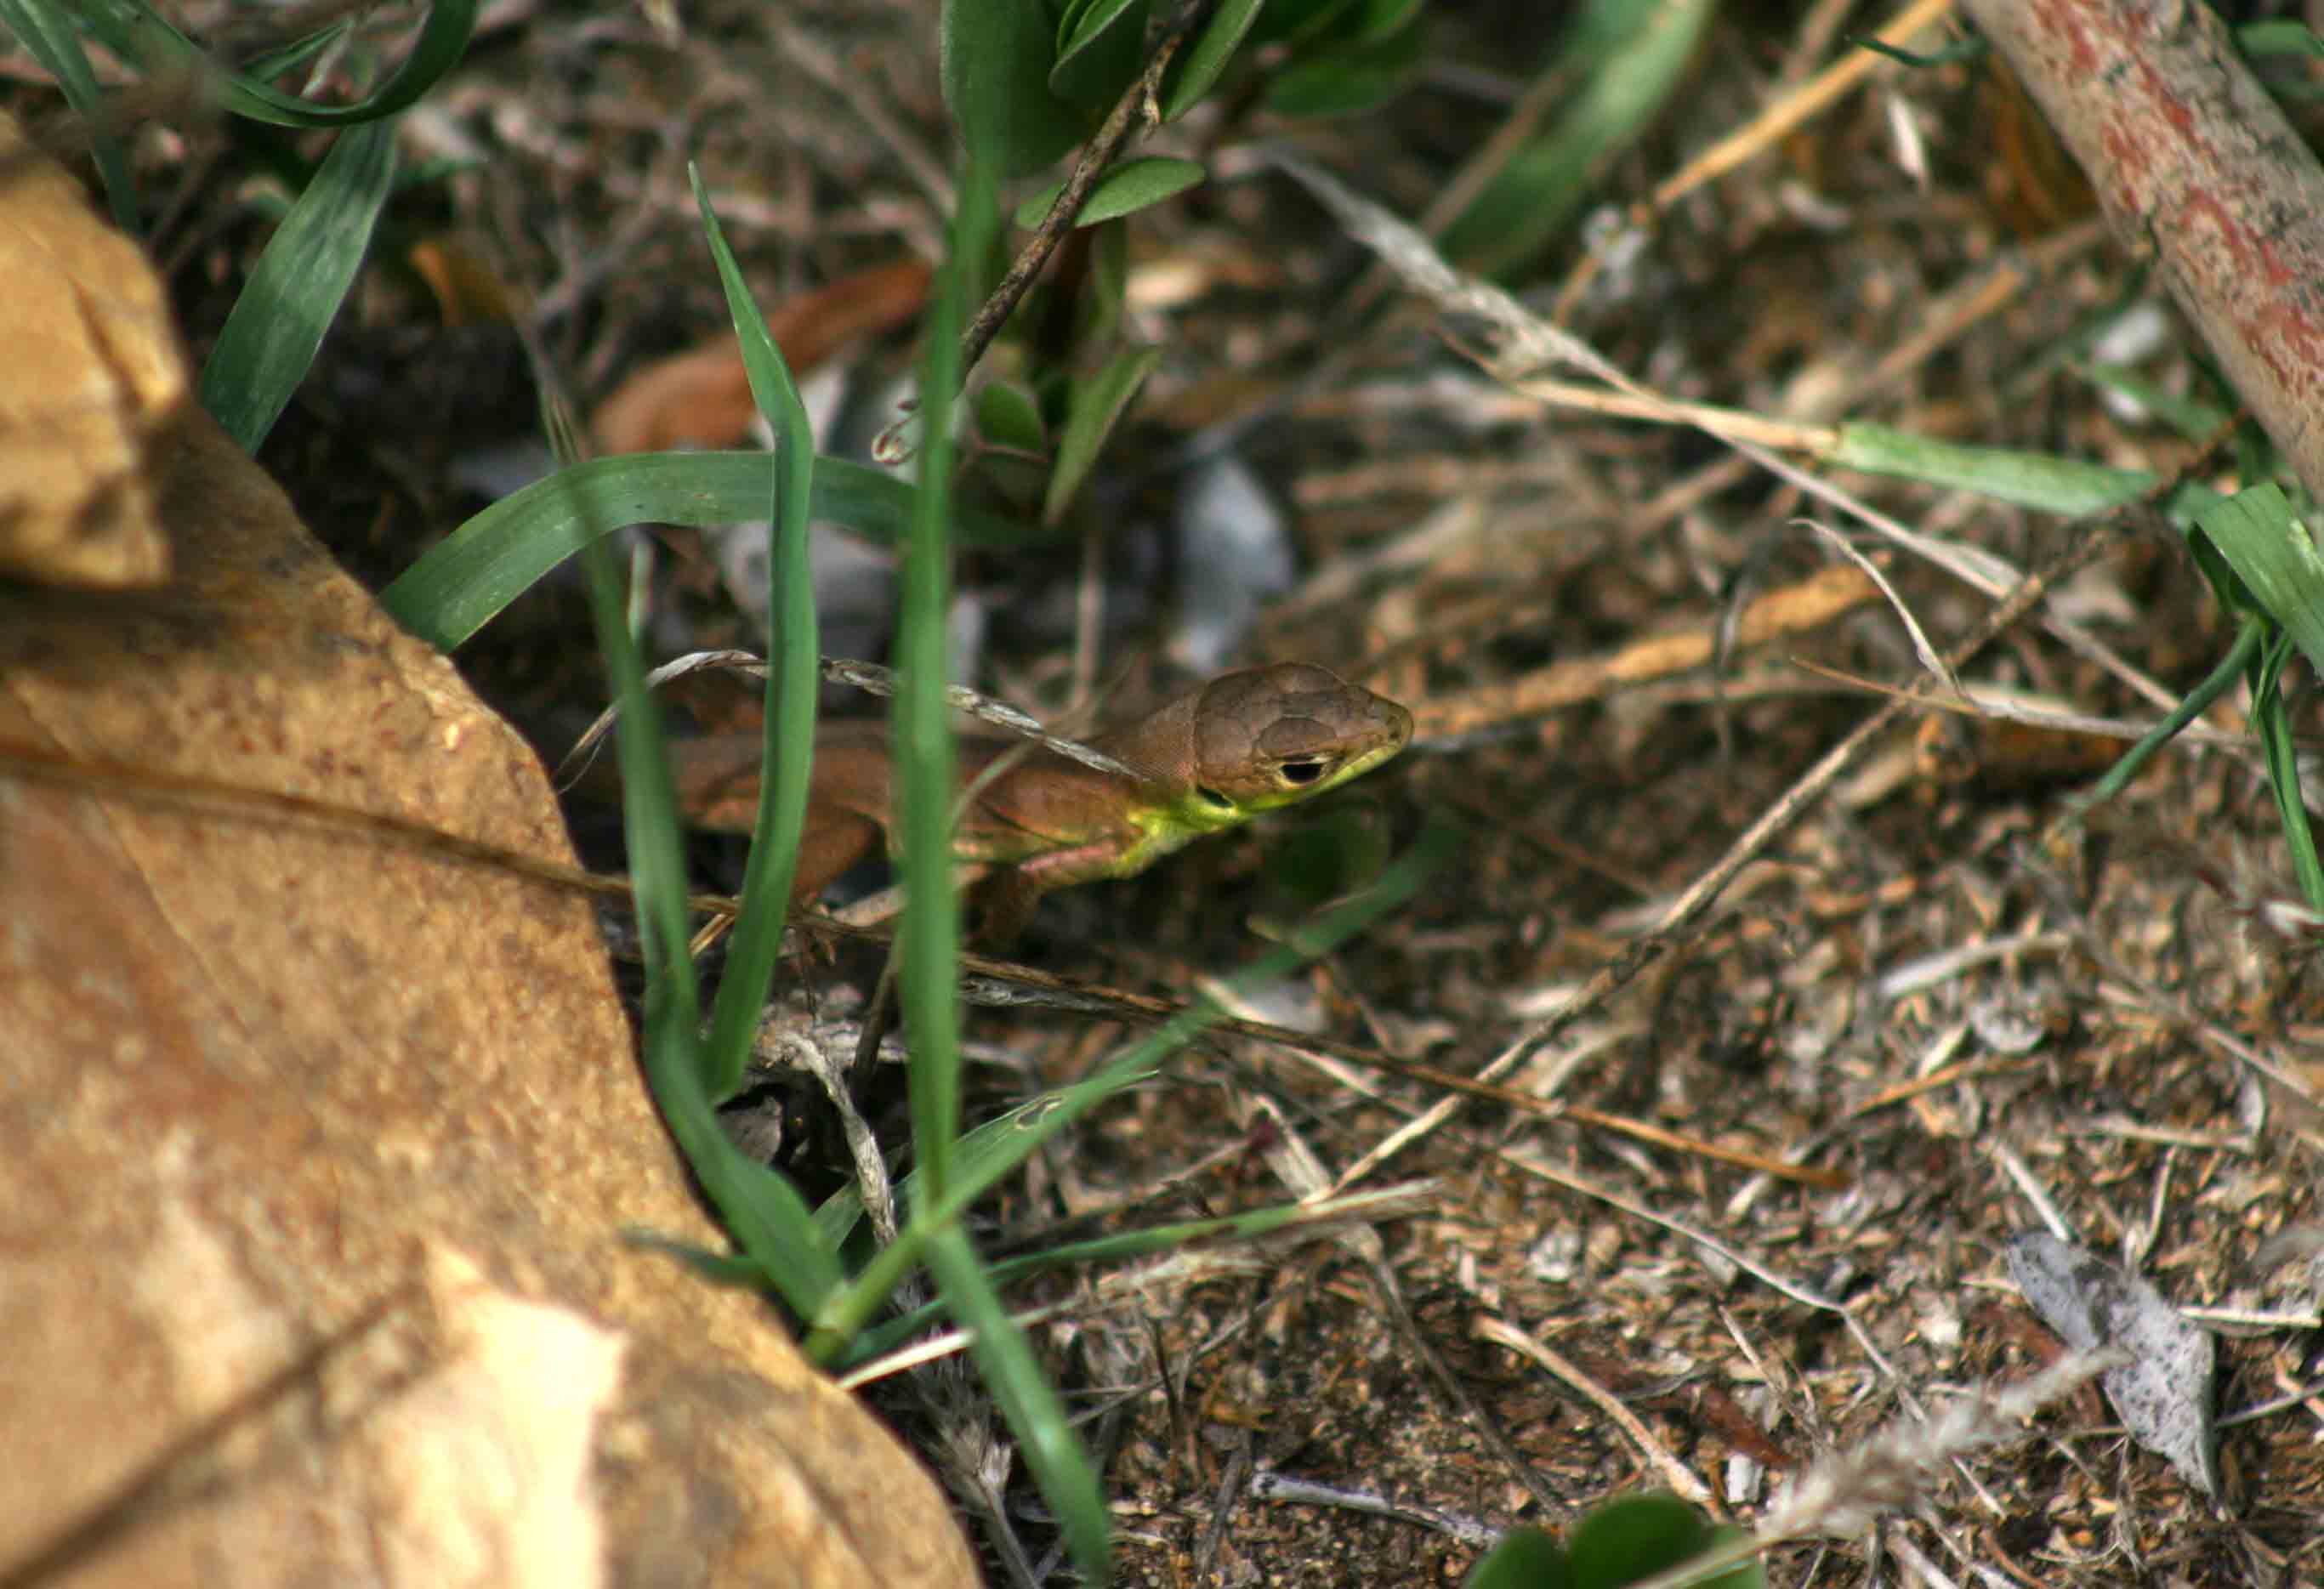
(1096, 155)
(1679, 1477)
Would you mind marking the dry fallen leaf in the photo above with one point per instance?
(701, 398)
(2164, 1391)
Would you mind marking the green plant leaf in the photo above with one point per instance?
(1625, 1542)
(1749, 1574)
(851, 1310)
(763, 1212)
(295, 290)
(1133, 185)
(2273, 723)
(1007, 416)
(1293, 20)
(2040, 481)
(995, 67)
(47, 31)
(2191, 416)
(1081, 1257)
(1199, 67)
(1101, 57)
(793, 680)
(1524, 1558)
(2278, 38)
(1635, 1536)
(137, 32)
(1625, 59)
(1368, 21)
(2252, 631)
(462, 583)
(921, 741)
(725, 1269)
(1093, 409)
(1045, 1432)
(1347, 78)
(290, 57)
(977, 1153)
(1105, 291)
(1330, 852)
(2276, 557)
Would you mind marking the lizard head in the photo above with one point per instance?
(1273, 736)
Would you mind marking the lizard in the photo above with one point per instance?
(1246, 742)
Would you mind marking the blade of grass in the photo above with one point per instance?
(295, 290)
(850, 1310)
(1094, 405)
(763, 1212)
(463, 582)
(2242, 655)
(2039, 480)
(1053, 1452)
(2192, 418)
(929, 942)
(2276, 556)
(839, 1213)
(47, 31)
(1247, 1226)
(793, 676)
(2273, 723)
(279, 62)
(1623, 58)
(135, 31)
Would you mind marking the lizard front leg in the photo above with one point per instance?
(1005, 901)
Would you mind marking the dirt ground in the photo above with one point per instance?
(1969, 1026)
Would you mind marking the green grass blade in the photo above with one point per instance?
(763, 1212)
(290, 57)
(2192, 418)
(2276, 556)
(792, 679)
(495, 556)
(2039, 480)
(1053, 1453)
(929, 942)
(135, 31)
(850, 1310)
(1093, 407)
(2279, 38)
(2242, 655)
(1624, 59)
(47, 31)
(1350, 76)
(839, 1213)
(1081, 1256)
(295, 290)
(2273, 723)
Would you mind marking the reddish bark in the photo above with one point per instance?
(2190, 155)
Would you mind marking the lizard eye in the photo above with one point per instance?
(1211, 797)
(1304, 771)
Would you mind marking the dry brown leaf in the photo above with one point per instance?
(269, 1086)
(701, 398)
